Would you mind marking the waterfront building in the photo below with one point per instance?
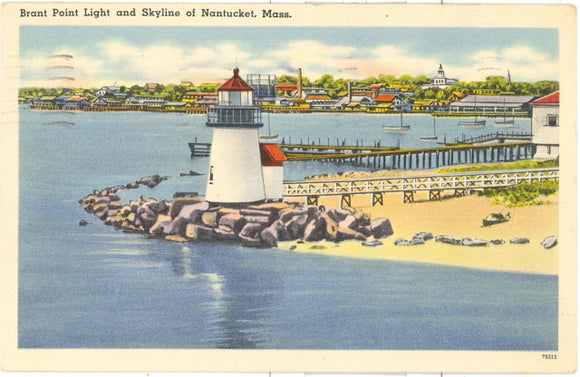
(235, 168)
(494, 104)
(75, 103)
(264, 86)
(147, 100)
(546, 126)
(174, 106)
(288, 90)
(440, 81)
(107, 89)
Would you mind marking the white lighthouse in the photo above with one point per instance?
(235, 170)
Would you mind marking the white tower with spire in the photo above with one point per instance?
(235, 170)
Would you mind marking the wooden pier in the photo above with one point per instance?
(460, 184)
(493, 137)
(394, 158)
(199, 149)
(412, 159)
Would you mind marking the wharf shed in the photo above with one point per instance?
(546, 126)
(494, 104)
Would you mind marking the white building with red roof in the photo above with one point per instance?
(273, 159)
(546, 126)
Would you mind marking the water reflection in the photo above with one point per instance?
(236, 290)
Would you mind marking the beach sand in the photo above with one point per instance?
(459, 217)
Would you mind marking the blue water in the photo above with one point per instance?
(95, 287)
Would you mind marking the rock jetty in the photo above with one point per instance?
(264, 225)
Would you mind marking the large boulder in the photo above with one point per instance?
(339, 214)
(199, 232)
(381, 228)
(349, 221)
(223, 233)
(250, 235)
(344, 234)
(177, 226)
(329, 226)
(233, 221)
(296, 226)
(209, 218)
(160, 208)
(274, 233)
(178, 203)
(193, 212)
(147, 218)
(314, 231)
(158, 229)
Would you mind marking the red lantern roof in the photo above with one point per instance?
(236, 84)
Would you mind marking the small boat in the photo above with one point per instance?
(496, 218)
(473, 242)
(475, 123)
(549, 242)
(519, 241)
(400, 128)
(505, 122)
(373, 243)
(269, 138)
(431, 138)
(191, 174)
(449, 239)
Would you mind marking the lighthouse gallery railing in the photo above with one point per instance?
(234, 116)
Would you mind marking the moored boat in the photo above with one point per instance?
(476, 123)
(397, 128)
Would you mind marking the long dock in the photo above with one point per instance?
(410, 159)
(493, 137)
(378, 157)
(460, 184)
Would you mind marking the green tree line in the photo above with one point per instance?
(335, 87)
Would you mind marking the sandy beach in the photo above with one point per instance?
(459, 217)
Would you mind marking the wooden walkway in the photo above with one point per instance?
(459, 183)
(497, 137)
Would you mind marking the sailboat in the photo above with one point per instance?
(475, 123)
(400, 128)
(269, 138)
(505, 122)
(431, 138)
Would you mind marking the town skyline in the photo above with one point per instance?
(82, 57)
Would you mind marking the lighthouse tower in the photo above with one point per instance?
(235, 169)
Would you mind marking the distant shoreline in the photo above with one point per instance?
(202, 111)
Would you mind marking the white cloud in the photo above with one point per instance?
(123, 63)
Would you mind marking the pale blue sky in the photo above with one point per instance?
(134, 55)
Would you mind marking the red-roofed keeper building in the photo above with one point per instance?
(273, 170)
(546, 126)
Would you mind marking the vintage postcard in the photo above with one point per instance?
(193, 187)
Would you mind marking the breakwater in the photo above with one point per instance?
(190, 219)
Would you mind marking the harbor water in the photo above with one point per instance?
(96, 287)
